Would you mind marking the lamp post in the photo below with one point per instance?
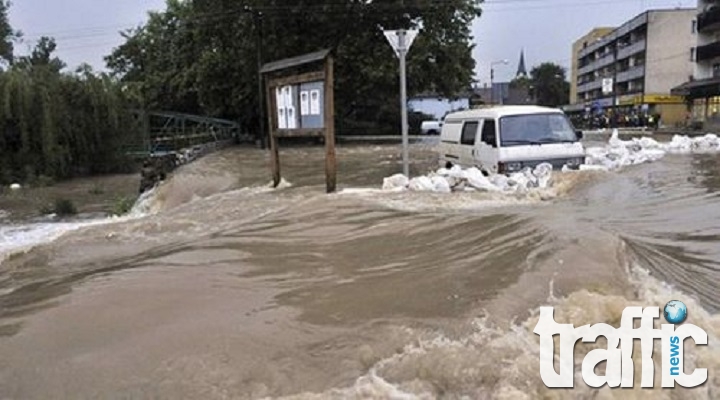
(492, 79)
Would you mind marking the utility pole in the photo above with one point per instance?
(616, 64)
(492, 81)
(492, 85)
(401, 41)
(257, 18)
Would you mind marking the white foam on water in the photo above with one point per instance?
(19, 238)
(23, 237)
(504, 364)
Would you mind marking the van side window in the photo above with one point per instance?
(488, 133)
(469, 132)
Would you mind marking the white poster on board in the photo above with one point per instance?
(290, 108)
(304, 102)
(314, 102)
(280, 100)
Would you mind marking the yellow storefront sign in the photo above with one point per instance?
(636, 100)
(662, 99)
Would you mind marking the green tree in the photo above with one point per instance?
(7, 34)
(55, 124)
(201, 56)
(42, 56)
(549, 85)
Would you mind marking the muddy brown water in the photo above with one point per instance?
(229, 289)
(91, 196)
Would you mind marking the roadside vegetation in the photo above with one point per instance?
(61, 207)
(201, 57)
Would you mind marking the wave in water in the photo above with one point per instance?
(503, 363)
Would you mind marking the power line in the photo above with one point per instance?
(329, 7)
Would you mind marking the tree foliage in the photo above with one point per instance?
(7, 35)
(200, 56)
(549, 85)
(57, 124)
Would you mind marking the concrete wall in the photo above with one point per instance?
(669, 40)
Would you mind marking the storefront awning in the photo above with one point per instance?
(700, 88)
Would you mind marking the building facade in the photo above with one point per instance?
(702, 90)
(580, 44)
(634, 67)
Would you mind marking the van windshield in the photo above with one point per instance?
(518, 130)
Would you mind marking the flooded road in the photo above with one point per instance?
(229, 289)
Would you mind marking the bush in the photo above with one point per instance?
(46, 209)
(61, 207)
(43, 181)
(64, 207)
(122, 206)
(96, 190)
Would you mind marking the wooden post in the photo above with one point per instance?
(274, 151)
(330, 161)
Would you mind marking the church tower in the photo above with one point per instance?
(522, 71)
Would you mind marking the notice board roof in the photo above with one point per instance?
(295, 61)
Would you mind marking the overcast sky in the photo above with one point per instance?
(87, 30)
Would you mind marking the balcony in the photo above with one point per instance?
(586, 87)
(632, 49)
(709, 20)
(707, 52)
(631, 74)
(587, 68)
(608, 59)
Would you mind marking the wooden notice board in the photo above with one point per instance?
(301, 103)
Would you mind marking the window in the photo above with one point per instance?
(692, 54)
(527, 129)
(694, 26)
(488, 133)
(469, 132)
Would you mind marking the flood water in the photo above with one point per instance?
(227, 289)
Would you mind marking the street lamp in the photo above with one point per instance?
(492, 79)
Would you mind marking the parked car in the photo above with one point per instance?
(431, 127)
(509, 139)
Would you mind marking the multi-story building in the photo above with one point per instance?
(702, 90)
(635, 66)
(580, 44)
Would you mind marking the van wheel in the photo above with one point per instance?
(432, 132)
(448, 165)
(485, 173)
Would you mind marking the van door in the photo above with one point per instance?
(467, 143)
(486, 150)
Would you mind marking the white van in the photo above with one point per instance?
(510, 138)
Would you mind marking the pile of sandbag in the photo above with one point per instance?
(620, 153)
(472, 179)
